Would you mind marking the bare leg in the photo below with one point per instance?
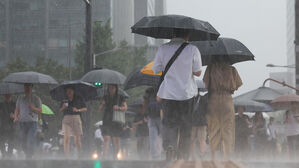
(66, 146)
(212, 154)
(202, 146)
(78, 143)
(116, 142)
(106, 146)
(192, 150)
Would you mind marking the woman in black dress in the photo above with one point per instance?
(112, 101)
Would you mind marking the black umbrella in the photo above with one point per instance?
(102, 91)
(104, 76)
(11, 88)
(29, 77)
(136, 104)
(233, 49)
(136, 78)
(83, 89)
(163, 27)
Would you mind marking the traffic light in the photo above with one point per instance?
(97, 84)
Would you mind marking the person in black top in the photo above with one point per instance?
(153, 109)
(142, 133)
(110, 102)
(71, 123)
(7, 129)
(242, 133)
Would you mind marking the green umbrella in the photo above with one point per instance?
(46, 110)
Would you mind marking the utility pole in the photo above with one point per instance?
(46, 28)
(88, 61)
(70, 47)
(7, 30)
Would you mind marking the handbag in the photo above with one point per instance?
(119, 116)
(171, 61)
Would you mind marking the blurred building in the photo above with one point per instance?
(51, 28)
(293, 41)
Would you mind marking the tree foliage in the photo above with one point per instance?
(122, 58)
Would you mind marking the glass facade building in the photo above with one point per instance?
(51, 28)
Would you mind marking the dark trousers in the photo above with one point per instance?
(143, 147)
(28, 137)
(176, 130)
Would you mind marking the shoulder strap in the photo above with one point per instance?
(173, 58)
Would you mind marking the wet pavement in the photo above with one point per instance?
(140, 164)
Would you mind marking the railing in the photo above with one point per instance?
(279, 82)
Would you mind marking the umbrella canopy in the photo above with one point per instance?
(85, 90)
(136, 78)
(102, 91)
(253, 106)
(148, 69)
(46, 110)
(29, 77)
(11, 88)
(163, 27)
(146, 77)
(285, 100)
(233, 49)
(136, 104)
(262, 94)
(105, 76)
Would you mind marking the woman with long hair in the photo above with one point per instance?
(71, 123)
(222, 80)
(112, 101)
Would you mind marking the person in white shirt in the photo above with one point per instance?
(177, 92)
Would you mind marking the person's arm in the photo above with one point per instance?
(81, 107)
(197, 73)
(16, 114)
(122, 107)
(158, 64)
(138, 122)
(84, 109)
(62, 108)
(196, 64)
(248, 122)
(37, 110)
(102, 105)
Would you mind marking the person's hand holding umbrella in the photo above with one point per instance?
(64, 106)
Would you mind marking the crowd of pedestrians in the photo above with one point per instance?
(173, 122)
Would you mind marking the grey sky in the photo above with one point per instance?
(259, 24)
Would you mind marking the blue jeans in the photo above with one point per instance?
(154, 126)
(28, 137)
